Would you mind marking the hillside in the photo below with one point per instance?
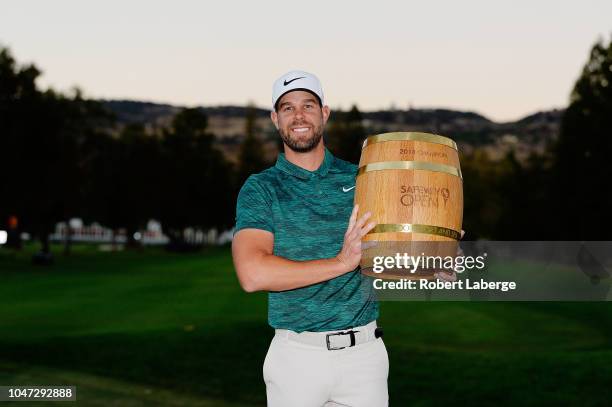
(529, 134)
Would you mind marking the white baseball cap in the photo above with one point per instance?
(296, 80)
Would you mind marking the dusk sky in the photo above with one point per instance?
(501, 59)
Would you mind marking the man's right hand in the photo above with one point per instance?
(350, 255)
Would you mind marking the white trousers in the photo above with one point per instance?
(300, 375)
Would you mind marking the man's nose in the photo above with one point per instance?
(299, 113)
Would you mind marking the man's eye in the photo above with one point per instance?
(308, 106)
(287, 109)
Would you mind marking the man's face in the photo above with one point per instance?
(300, 120)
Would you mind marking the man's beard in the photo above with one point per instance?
(302, 146)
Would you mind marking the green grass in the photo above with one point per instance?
(153, 328)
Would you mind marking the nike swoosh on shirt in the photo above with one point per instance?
(285, 83)
(345, 189)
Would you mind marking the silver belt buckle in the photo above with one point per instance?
(351, 333)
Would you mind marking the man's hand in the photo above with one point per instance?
(350, 255)
(448, 276)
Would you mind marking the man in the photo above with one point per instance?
(298, 236)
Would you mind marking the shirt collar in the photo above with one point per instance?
(284, 165)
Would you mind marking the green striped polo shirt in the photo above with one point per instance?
(308, 213)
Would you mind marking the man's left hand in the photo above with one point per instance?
(447, 275)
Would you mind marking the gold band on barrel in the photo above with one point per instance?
(415, 228)
(410, 165)
(410, 136)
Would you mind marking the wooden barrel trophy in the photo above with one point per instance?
(412, 184)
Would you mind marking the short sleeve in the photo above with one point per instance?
(253, 208)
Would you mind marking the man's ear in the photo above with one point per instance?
(274, 117)
(326, 112)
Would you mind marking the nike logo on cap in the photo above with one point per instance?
(345, 189)
(286, 82)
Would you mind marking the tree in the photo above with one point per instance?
(251, 158)
(19, 97)
(195, 181)
(583, 169)
(346, 134)
(124, 181)
(42, 135)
